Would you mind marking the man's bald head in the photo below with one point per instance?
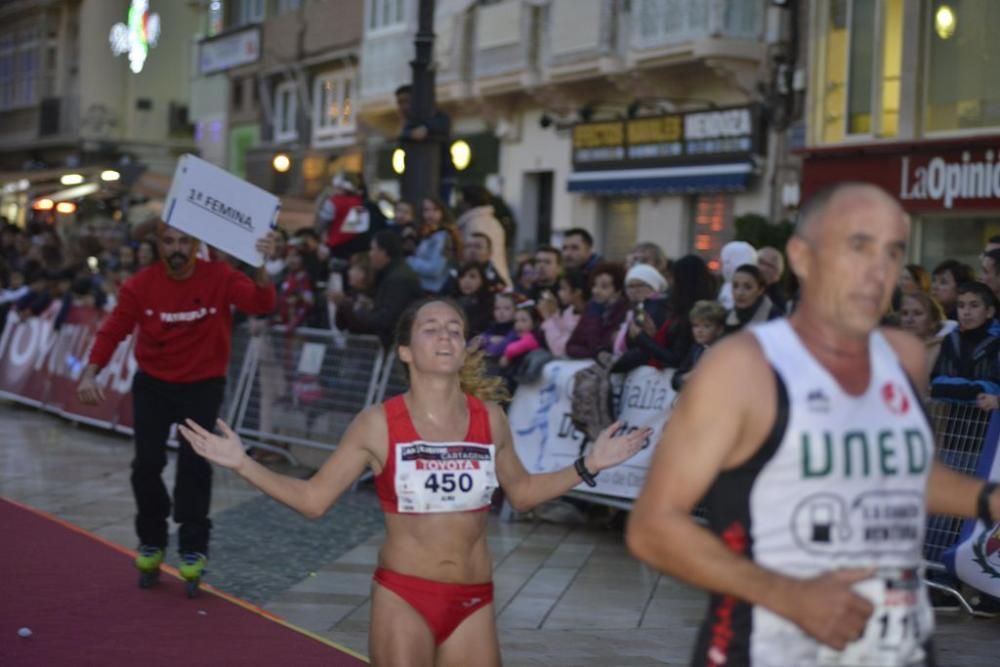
(842, 195)
(847, 252)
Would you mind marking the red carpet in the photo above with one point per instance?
(78, 595)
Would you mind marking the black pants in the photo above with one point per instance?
(157, 405)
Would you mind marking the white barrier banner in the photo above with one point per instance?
(546, 440)
(975, 559)
(222, 210)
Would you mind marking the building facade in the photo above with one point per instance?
(902, 94)
(647, 120)
(90, 84)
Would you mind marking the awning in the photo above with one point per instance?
(693, 178)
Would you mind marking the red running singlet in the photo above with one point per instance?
(421, 477)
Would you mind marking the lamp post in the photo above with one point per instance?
(422, 175)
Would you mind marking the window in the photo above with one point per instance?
(385, 14)
(861, 62)
(961, 73)
(249, 11)
(333, 109)
(19, 67)
(286, 109)
(713, 227)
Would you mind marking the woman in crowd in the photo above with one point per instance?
(692, 282)
(432, 598)
(595, 332)
(644, 287)
(923, 317)
(473, 294)
(436, 252)
(360, 288)
(734, 255)
(751, 305)
(945, 280)
(558, 325)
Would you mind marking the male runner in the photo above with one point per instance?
(182, 310)
(817, 468)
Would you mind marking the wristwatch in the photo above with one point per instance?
(585, 475)
(983, 504)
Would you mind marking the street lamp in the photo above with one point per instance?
(281, 163)
(71, 179)
(399, 161)
(461, 154)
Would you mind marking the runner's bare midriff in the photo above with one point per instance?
(448, 547)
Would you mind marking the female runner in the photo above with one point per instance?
(438, 452)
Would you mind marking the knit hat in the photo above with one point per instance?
(647, 274)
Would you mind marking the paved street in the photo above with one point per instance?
(566, 595)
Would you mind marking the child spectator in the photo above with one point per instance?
(500, 331)
(526, 321)
(707, 325)
(475, 297)
(968, 367)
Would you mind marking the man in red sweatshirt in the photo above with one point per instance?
(181, 311)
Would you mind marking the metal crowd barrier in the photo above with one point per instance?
(960, 432)
(300, 390)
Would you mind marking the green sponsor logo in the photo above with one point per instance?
(858, 453)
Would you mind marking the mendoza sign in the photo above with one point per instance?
(696, 137)
(222, 210)
(546, 440)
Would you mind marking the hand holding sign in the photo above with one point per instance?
(221, 209)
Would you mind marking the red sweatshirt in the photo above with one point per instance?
(184, 326)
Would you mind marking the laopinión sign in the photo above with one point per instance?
(925, 176)
(695, 137)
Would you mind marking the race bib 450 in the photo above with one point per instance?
(444, 477)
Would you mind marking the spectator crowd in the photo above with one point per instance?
(357, 269)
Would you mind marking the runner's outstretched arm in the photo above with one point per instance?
(525, 490)
(717, 424)
(311, 497)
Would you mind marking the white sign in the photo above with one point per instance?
(136, 38)
(546, 440)
(222, 210)
(311, 359)
(222, 53)
(976, 557)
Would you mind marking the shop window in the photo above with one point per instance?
(333, 112)
(861, 63)
(621, 227)
(961, 69)
(713, 227)
(384, 14)
(285, 111)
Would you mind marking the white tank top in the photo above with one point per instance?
(839, 483)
